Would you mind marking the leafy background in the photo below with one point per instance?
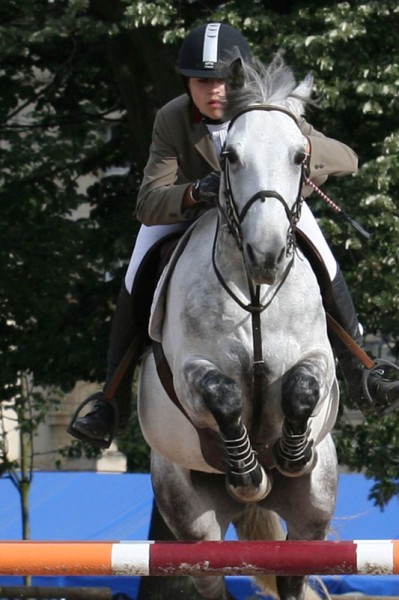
(81, 81)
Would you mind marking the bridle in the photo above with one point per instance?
(233, 219)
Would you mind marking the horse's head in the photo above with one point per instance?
(264, 158)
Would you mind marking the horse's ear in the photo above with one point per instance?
(235, 76)
(304, 89)
(299, 98)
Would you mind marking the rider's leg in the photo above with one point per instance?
(338, 303)
(102, 422)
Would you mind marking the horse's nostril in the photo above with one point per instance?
(268, 260)
(281, 256)
(250, 254)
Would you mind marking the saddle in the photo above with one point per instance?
(147, 278)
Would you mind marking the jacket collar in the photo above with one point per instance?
(202, 141)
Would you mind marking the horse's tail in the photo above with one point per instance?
(260, 524)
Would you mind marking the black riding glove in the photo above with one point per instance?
(207, 189)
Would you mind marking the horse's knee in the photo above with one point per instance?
(222, 394)
(300, 393)
(219, 393)
(294, 451)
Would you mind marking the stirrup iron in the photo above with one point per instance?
(371, 404)
(96, 443)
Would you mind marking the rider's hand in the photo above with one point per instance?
(207, 189)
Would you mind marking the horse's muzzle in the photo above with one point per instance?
(264, 268)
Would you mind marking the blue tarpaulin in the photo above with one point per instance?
(97, 506)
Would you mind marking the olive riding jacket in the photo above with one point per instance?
(182, 151)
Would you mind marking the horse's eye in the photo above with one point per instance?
(230, 154)
(300, 157)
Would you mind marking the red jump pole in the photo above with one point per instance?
(377, 557)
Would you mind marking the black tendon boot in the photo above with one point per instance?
(109, 415)
(368, 388)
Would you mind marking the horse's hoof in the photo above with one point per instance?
(297, 468)
(250, 493)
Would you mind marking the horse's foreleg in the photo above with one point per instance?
(307, 506)
(221, 396)
(301, 391)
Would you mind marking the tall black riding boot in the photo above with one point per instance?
(109, 416)
(383, 395)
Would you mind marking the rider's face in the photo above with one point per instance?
(208, 96)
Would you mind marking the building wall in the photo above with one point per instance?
(52, 436)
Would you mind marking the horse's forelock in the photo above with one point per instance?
(271, 84)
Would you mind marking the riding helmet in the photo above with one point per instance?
(207, 45)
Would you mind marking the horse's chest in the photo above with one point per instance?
(230, 333)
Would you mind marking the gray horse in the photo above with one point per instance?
(244, 436)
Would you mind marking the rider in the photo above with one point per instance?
(181, 181)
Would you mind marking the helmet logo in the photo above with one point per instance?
(207, 46)
(211, 42)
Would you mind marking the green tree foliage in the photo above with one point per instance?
(81, 81)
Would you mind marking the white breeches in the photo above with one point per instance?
(148, 236)
(310, 227)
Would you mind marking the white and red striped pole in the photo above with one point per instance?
(376, 557)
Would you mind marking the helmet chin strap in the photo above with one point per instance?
(212, 121)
